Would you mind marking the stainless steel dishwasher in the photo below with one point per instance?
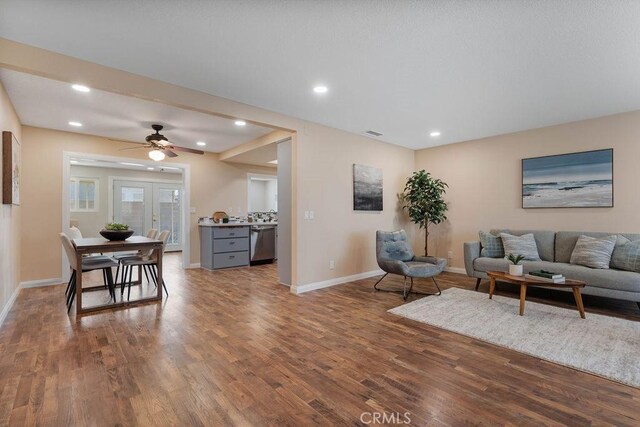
(263, 242)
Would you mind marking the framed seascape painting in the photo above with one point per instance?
(10, 169)
(575, 180)
(367, 188)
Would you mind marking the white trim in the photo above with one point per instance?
(194, 265)
(337, 281)
(186, 217)
(456, 270)
(7, 307)
(41, 283)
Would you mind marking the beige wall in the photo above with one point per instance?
(484, 177)
(215, 185)
(90, 223)
(9, 215)
(326, 157)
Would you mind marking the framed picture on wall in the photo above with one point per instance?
(574, 180)
(10, 169)
(367, 188)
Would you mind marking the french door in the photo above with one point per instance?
(145, 205)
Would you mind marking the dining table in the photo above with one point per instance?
(98, 245)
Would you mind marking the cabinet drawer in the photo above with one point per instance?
(230, 245)
(230, 232)
(231, 259)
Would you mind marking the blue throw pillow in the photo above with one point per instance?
(491, 245)
(626, 255)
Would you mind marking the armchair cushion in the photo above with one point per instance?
(393, 245)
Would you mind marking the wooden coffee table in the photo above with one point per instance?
(524, 282)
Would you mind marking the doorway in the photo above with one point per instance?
(144, 205)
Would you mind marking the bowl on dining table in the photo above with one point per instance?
(116, 235)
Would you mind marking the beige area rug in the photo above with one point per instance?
(602, 345)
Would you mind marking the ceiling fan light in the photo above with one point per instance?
(156, 155)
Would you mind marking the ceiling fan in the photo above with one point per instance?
(160, 146)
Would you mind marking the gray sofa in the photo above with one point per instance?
(555, 250)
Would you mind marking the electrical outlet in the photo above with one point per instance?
(192, 210)
(332, 265)
(450, 254)
(306, 214)
(312, 215)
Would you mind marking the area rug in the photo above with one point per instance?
(602, 345)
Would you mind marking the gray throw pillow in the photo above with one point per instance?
(491, 245)
(524, 245)
(626, 255)
(593, 252)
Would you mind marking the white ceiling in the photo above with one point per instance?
(469, 69)
(52, 104)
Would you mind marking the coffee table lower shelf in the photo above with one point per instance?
(524, 282)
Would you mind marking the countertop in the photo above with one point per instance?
(238, 224)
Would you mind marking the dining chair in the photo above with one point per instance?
(151, 234)
(74, 233)
(88, 264)
(148, 262)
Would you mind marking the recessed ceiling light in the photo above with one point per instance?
(434, 133)
(274, 162)
(320, 89)
(130, 164)
(76, 124)
(240, 123)
(151, 169)
(81, 88)
(201, 143)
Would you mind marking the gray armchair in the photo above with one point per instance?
(395, 256)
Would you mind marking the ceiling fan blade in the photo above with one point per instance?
(133, 148)
(122, 140)
(185, 149)
(170, 153)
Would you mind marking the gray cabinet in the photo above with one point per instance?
(224, 247)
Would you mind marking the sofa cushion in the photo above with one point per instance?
(593, 252)
(524, 245)
(626, 255)
(545, 241)
(608, 279)
(491, 245)
(566, 241)
(485, 264)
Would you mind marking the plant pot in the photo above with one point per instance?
(116, 235)
(515, 270)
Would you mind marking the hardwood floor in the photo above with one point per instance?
(235, 348)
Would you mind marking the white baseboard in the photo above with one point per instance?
(456, 270)
(337, 281)
(40, 283)
(8, 305)
(195, 265)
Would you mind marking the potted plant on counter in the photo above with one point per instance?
(515, 268)
(115, 231)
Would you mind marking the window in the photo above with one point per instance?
(83, 194)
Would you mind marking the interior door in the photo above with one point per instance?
(167, 212)
(132, 205)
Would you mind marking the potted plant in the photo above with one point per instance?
(515, 268)
(424, 203)
(115, 231)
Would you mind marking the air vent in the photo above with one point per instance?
(372, 133)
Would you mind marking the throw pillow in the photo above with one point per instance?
(593, 252)
(626, 255)
(524, 245)
(491, 245)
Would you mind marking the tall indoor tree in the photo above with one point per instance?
(423, 200)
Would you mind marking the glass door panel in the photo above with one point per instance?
(133, 205)
(167, 212)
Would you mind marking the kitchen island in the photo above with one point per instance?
(233, 244)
